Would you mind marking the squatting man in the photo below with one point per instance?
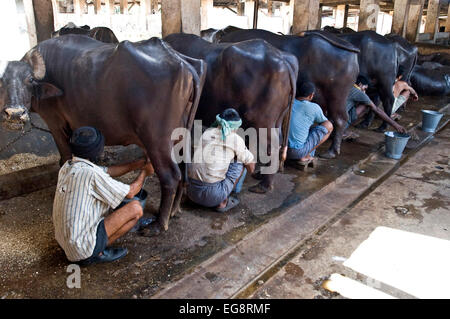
(86, 216)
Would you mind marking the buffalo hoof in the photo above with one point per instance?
(328, 155)
(175, 212)
(257, 175)
(151, 231)
(260, 189)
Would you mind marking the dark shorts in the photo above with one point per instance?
(100, 244)
(212, 194)
(316, 134)
(352, 116)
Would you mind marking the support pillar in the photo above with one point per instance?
(368, 15)
(154, 6)
(431, 24)
(206, 11)
(319, 19)
(98, 6)
(341, 16)
(170, 16)
(146, 7)
(240, 8)
(41, 11)
(414, 19)
(447, 22)
(31, 26)
(306, 15)
(124, 6)
(190, 16)
(270, 8)
(249, 11)
(400, 18)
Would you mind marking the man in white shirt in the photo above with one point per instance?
(213, 174)
(85, 195)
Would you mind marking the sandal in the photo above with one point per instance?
(231, 202)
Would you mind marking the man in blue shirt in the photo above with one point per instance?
(304, 137)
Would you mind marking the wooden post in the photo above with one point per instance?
(98, 6)
(269, 8)
(400, 19)
(340, 16)
(368, 15)
(255, 14)
(249, 10)
(306, 15)
(414, 19)
(154, 6)
(146, 7)
(124, 6)
(31, 26)
(447, 22)
(206, 10)
(431, 24)
(190, 16)
(319, 18)
(55, 6)
(240, 8)
(40, 22)
(170, 16)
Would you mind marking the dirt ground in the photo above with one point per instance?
(33, 266)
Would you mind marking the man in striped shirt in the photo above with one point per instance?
(85, 195)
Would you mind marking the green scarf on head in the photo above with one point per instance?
(227, 126)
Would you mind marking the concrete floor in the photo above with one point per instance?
(415, 199)
(33, 266)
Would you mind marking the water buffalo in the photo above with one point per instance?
(439, 57)
(338, 30)
(102, 34)
(378, 62)
(214, 35)
(427, 80)
(407, 54)
(134, 93)
(327, 61)
(255, 78)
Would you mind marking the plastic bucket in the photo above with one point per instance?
(395, 144)
(141, 197)
(430, 120)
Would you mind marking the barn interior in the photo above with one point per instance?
(199, 245)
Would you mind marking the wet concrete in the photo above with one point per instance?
(416, 199)
(33, 266)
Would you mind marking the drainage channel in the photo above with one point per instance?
(249, 289)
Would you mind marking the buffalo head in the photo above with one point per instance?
(19, 82)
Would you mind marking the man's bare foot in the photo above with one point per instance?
(306, 158)
(223, 204)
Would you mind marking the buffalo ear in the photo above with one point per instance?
(47, 90)
(37, 63)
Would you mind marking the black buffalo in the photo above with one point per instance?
(378, 61)
(407, 54)
(327, 61)
(431, 79)
(255, 78)
(102, 34)
(215, 35)
(439, 57)
(338, 30)
(134, 93)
